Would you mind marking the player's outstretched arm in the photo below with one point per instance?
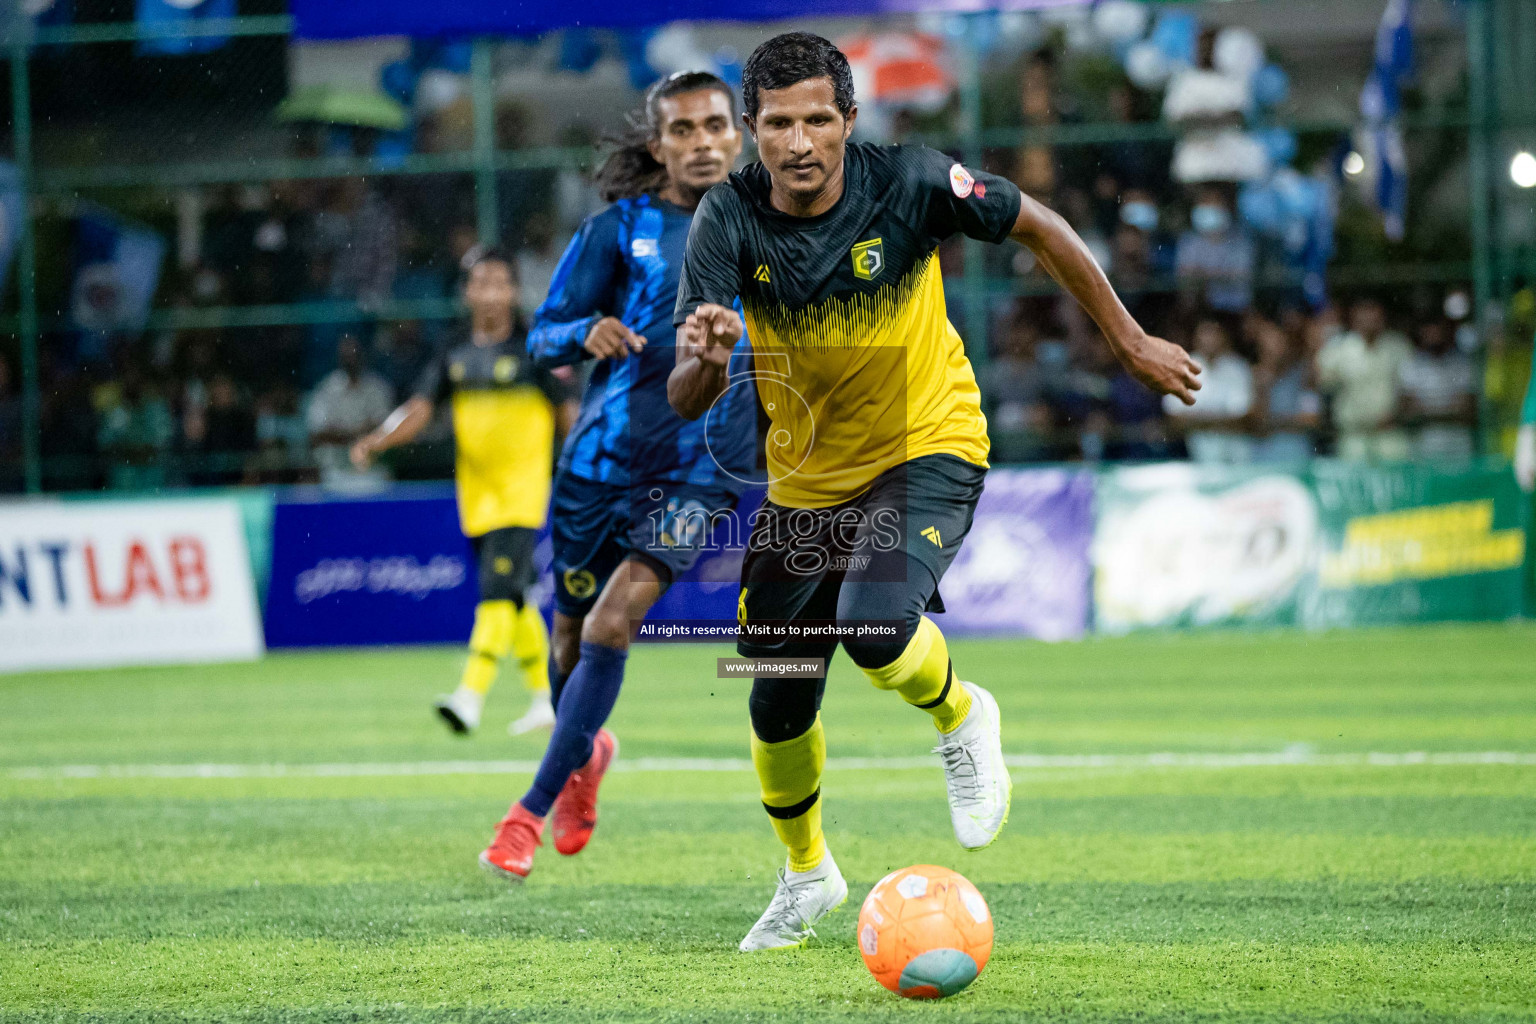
(1160, 365)
(402, 427)
(704, 345)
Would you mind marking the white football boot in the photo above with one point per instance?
(974, 773)
(802, 899)
(540, 715)
(461, 709)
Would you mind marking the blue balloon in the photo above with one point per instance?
(1271, 86)
(398, 80)
(632, 44)
(1279, 143)
(1176, 34)
(1260, 208)
(456, 55)
(393, 147)
(1300, 198)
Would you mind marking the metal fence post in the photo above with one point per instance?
(26, 271)
(975, 286)
(483, 91)
(1479, 53)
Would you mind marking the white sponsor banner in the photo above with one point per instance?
(124, 583)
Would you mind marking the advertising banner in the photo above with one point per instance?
(124, 583)
(387, 571)
(1024, 568)
(1339, 545)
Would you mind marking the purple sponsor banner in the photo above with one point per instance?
(1024, 568)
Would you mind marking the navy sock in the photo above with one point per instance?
(556, 682)
(586, 701)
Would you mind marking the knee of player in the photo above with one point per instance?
(781, 713)
(878, 651)
(606, 626)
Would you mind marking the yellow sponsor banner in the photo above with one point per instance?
(1431, 542)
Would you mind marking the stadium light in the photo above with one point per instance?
(1522, 169)
(1354, 164)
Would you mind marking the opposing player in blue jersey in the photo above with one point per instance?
(635, 483)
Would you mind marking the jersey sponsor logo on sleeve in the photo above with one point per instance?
(960, 181)
(868, 259)
(762, 273)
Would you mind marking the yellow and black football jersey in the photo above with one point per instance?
(856, 362)
(503, 430)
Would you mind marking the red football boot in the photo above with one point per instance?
(576, 810)
(510, 854)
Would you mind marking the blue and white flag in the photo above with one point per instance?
(12, 209)
(1380, 137)
(117, 269)
(177, 13)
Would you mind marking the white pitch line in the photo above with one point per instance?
(1290, 758)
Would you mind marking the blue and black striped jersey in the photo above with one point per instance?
(624, 263)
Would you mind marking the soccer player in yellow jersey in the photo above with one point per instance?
(877, 447)
(504, 423)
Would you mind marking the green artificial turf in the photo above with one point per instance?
(1332, 889)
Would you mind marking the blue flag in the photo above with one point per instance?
(1380, 139)
(117, 269)
(175, 13)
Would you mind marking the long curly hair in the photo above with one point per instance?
(629, 169)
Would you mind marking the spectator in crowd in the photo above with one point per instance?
(1138, 431)
(1439, 385)
(1362, 370)
(405, 354)
(1286, 410)
(225, 433)
(10, 416)
(1216, 423)
(360, 233)
(136, 431)
(351, 401)
(282, 438)
(1215, 258)
(1014, 389)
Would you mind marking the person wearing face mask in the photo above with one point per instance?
(1215, 258)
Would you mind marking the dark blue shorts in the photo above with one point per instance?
(595, 526)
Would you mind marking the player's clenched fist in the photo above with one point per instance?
(610, 339)
(1162, 366)
(712, 332)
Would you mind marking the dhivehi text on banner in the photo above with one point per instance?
(124, 583)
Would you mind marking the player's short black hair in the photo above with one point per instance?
(629, 169)
(794, 57)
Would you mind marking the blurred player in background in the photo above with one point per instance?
(504, 427)
(832, 249)
(636, 485)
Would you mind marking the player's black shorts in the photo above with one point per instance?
(595, 526)
(874, 558)
(504, 562)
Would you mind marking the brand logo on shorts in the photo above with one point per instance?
(960, 181)
(762, 273)
(502, 565)
(579, 583)
(868, 259)
(932, 533)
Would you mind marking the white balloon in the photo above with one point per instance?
(1120, 21)
(1147, 66)
(437, 88)
(1238, 52)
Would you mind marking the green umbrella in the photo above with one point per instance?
(331, 105)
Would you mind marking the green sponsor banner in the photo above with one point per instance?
(1414, 544)
(1334, 544)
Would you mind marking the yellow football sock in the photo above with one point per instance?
(489, 642)
(789, 774)
(924, 678)
(530, 642)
